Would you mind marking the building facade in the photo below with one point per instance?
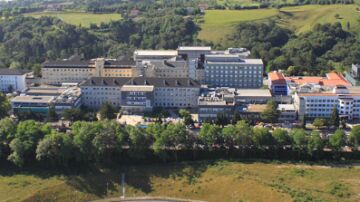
(232, 71)
(277, 83)
(75, 70)
(321, 104)
(141, 93)
(12, 80)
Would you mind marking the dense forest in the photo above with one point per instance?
(312, 53)
(28, 41)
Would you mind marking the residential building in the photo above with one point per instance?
(143, 92)
(233, 71)
(12, 80)
(320, 103)
(277, 83)
(76, 69)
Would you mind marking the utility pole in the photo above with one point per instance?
(122, 186)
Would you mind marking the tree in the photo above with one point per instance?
(74, 114)
(281, 137)
(107, 141)
(262, 137)
(315, 143)
(270, 114)
(229, 134)
(4, 105)
(299, 138)
(56, 149)
(23, 146)
(36, 68)
(335, 121)
(354, 137)
(7, 133)
(107, 111)
(52, 115)
(210, 135)
(186, 116)
(338, 139)
(173, 137)
(319, 122)
(139, 142)
(244, 133)
(222, 119)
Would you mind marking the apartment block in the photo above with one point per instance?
(233, 71)
(12, 80)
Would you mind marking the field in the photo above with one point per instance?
(209, 181)
(218, 23)
(79, 18)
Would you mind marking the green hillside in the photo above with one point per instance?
(79, 18)
(217, 181)
(219, 23)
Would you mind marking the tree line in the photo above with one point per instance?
(105, 142)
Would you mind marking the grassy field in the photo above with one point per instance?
(79, 18)
(217, 181)
(218, 23)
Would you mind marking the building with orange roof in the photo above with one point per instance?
(331, 80)
(277, 83)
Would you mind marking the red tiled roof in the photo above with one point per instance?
(277, 78)
(331, 79)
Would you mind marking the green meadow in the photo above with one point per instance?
(79, 18)
(208, 181)
(219, 23)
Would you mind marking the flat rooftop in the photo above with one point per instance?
(156, 52)
(253, 92)
(256, 108)
(194, 48)
(33, 99)
(286, 107)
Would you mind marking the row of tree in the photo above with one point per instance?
(25, 142)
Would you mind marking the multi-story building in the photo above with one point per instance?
(171, 68)
(315, 103)
(140, 55)
(141, 93)
(354, 75)
(233, 71)
(228, 100)
(277, 83)
(12, 80)
(287, 112)
(76, 69)
(39, 100)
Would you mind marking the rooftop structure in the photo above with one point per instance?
(331, 80)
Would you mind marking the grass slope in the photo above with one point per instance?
(79, 18)
(218, 23)
(217, 181)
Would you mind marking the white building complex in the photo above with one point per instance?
(12, 80)
(320, 102)
(140, 93)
